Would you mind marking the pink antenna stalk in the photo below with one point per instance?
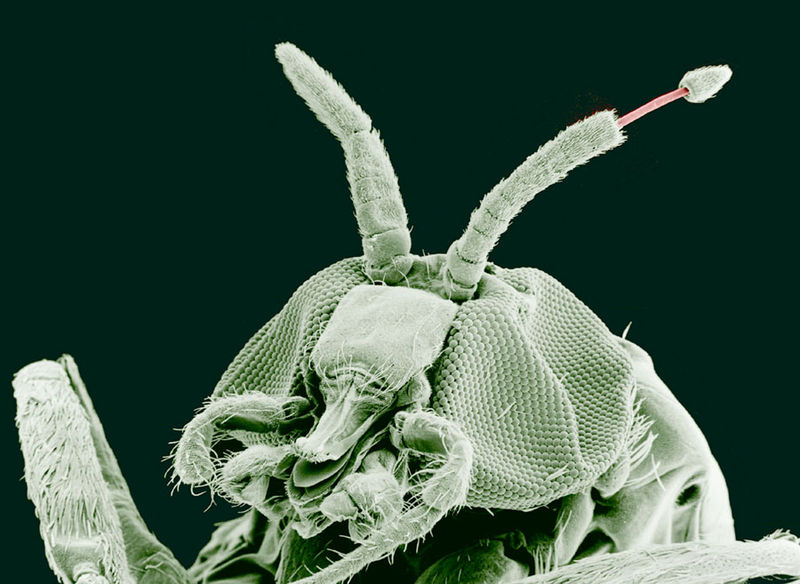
(696, 86)
(651, 105)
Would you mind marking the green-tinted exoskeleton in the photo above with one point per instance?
(396, 394)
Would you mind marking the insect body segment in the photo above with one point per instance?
(487, 387)
(396, 396)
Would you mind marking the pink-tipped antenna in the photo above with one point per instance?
(696, 86)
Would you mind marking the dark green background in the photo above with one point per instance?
(170, 192)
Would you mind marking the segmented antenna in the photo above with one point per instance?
(380, 213)
(576, 145)
(696, 86)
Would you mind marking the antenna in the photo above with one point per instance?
(696, 86)
(576, 145)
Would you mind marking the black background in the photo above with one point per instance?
(169, 192)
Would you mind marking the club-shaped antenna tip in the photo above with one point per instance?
(284, 50)
(705, 82)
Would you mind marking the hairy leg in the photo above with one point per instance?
(92, 531)
(446, 454)
(245, 477)
(685, 563)
(250, 414)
